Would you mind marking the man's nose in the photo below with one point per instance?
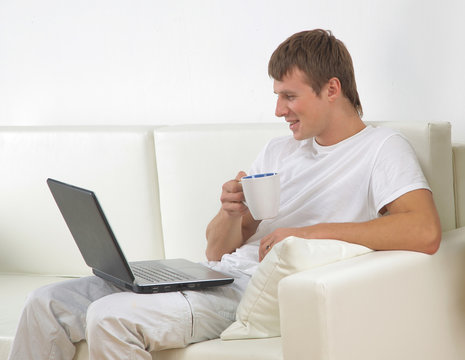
(281, 109)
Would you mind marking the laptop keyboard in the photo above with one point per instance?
(157, 274)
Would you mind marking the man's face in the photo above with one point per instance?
(301, 107)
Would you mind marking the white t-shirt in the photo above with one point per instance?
(350, 181)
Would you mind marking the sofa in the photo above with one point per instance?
(159, 187)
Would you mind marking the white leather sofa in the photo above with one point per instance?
(160, 186)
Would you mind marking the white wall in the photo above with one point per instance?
(205, 61)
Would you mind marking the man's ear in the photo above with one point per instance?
(334, 88)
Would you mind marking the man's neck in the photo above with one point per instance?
(342, 126)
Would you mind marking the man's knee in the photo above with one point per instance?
(105, 318)
(111, 333)
(41, 299)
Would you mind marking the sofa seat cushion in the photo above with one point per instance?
(260, 349)
(15, 289)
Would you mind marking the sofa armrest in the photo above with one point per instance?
(381, 305)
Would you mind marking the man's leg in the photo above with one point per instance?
(53, 318)
(130, 326)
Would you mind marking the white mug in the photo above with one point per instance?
(262, 193)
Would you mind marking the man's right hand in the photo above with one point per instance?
(233, 225)
(232, 197)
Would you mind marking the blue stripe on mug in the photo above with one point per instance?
(259, 175)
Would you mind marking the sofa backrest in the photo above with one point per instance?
(117, 163)
(459, 183)
(194, 161)
(159, 187)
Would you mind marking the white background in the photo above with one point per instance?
(85, 62)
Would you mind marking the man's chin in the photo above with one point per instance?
(295, 129)
(300, 136)
(297, 136)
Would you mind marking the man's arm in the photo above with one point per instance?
(412, 224)
(233, 224)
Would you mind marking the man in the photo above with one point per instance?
(315, 84)
(339, 179)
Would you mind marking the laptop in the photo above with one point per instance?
(100, 250)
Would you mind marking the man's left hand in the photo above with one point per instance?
(267, 243)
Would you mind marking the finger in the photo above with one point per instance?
(235, 207)
(263, 252)
(265, 246)
(232, 197)
(232, 186)
(240, 175)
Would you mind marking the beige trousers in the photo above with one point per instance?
(119, 324)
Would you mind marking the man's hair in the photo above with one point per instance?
(320, 56)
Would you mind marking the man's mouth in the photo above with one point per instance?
(293, 124)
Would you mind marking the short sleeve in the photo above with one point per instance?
(396, 171)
